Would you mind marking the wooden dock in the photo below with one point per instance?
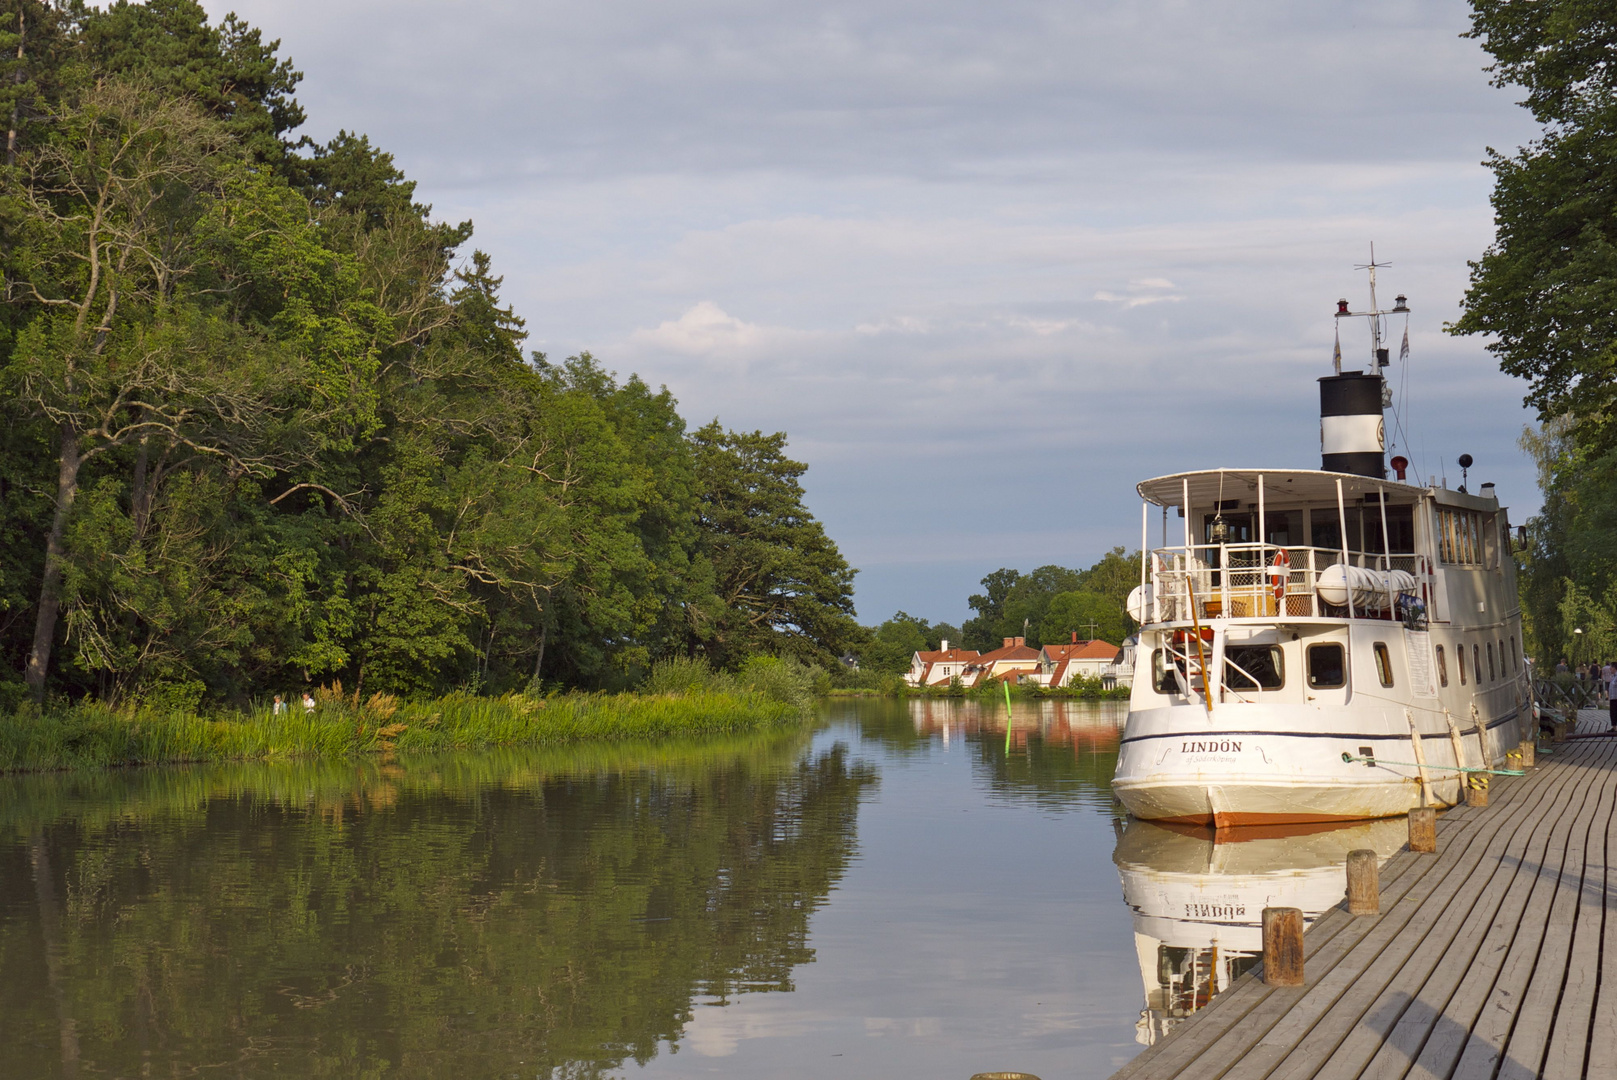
(1484, 963)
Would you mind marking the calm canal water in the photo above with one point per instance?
(896, 893)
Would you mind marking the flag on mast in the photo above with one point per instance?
(1336, 354)
(1403, 350)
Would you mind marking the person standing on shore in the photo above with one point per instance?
(279, 708)
(1610, 673)
(308, 703)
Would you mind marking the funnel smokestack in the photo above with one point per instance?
(1352, 433)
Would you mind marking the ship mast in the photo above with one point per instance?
(1378, 352)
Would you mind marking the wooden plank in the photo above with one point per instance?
(1526, 1039)
(1347, 1041)
(1306, 1037)
(1357, 1027)
(1415, 1002)
(1425, 980)
(1569, 1038)
(1453, 1031)
(1255, 1045)
(1602, 1049)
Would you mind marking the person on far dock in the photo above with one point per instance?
(1561, 668)
(1611, 692)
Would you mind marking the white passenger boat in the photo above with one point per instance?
(1322, 645)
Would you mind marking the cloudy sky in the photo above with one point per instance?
(989, 265)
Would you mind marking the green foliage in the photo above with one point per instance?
(262, 425)
(1569, 567)
(785, 680)
(1091, 604)
(1546, 292)
(782, 586)
(895, 642)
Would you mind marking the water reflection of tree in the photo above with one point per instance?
(393, 920)
(1062, 753)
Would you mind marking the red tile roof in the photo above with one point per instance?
(935, 656)
(1094, 649)
(1011, 652)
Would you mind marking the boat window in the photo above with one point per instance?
(1400, 528)
(1442, 667)
(1476, 663)
(1490, 662)
(1163, 679)
(1254, 667)
(1513, 654)
(1459, 662)
(1326, 667)
(1279, 524)
(1325, 530)
(1460, 538)
(1383, 664)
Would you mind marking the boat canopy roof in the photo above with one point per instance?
(1208, 486)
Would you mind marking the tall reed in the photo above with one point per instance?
(90, 735)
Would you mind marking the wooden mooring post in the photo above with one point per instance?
(1476, 790)
(1526, 750)
(1423, 830)
(1283, 946)
(1363, 883)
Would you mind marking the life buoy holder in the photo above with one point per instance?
(1280, 570)
(1185, 637)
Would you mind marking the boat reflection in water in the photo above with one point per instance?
(1197, 896)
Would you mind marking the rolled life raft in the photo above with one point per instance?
(1372, 590)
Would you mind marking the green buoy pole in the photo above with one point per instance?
(1007, 687)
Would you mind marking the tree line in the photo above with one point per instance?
(1046, 606)
(1546, 291)
(266, 422)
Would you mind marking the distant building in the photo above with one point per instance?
(1015, 656)
(1060, 665)
(935, 667)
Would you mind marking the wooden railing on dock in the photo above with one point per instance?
(1484, 961)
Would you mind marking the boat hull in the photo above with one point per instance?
(1267, 765)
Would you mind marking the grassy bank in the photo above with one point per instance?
(94, 736)
(678, 698)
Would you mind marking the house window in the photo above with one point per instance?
(1442, 667)
(1254, 667)
(1327, 666)
(1383, 663)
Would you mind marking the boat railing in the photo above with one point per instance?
(1214, 581)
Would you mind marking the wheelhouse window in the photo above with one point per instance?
(1513, 668)
(1254, 667)
(1467, 538)
(1442, 667)
(1327, 666)
(1490, 662)
(1459, 662)
(1383, 663)
(1476, 663)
